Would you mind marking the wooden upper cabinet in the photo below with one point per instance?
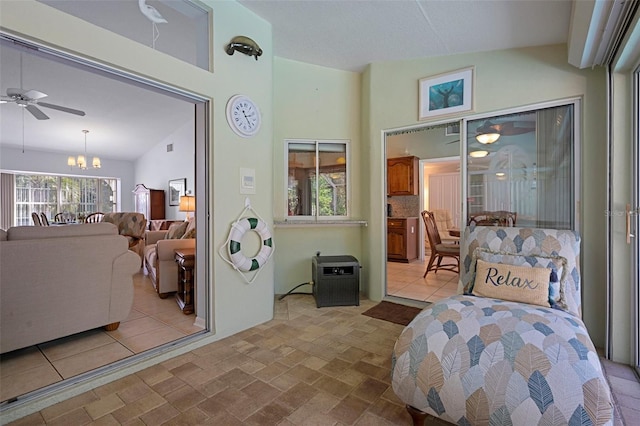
(402, 176)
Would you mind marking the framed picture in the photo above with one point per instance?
(176, 190)
(444, 94)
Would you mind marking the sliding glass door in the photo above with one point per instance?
(633, 217)
(521, 168)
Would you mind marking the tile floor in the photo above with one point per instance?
(308, 366)
(152, 322)
(405, 280)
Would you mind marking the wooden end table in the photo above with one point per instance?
(186, 260)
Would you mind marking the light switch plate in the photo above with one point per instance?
(247, 181)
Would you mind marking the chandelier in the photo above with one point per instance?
(81, 159)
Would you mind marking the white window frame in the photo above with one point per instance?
(316, 142)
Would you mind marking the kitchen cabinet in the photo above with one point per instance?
(402, 239)
(402, 176)
(149, 202)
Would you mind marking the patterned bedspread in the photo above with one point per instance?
(472, 360)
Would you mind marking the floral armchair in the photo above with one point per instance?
(131, 225)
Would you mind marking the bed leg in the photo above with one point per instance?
(417, 416)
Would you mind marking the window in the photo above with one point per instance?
(185, 34)
(524, 163)
(76, 196)
(317, 178)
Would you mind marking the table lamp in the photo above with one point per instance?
(187, 204)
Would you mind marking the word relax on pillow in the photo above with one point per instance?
(513, 283)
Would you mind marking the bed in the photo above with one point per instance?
(478, 359)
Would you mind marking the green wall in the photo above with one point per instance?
(313, 102)
(503, 79)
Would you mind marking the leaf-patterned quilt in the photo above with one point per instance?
(480, 361)
(477, 361)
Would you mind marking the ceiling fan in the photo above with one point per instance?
(30, 100)
(507, 128)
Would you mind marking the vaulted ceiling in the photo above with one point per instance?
(125, 121)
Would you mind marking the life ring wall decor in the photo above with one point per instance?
(238, 229)
(232, 247)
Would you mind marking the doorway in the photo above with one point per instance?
(435, 151)
(29, 66)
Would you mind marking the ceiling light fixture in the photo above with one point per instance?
(487, 133)
(487, 138)
(478, 154)
(81, 160)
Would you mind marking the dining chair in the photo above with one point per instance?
(94, 217)
(36, 219)
(43, 219)
(59, 217)
(438, 250)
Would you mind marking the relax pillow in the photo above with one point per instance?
(557, 278)
(176, 230)
(514, 283)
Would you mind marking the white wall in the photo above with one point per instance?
(157, 167)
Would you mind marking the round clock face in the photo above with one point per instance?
(243, 116)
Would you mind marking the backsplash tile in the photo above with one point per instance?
(404, 205)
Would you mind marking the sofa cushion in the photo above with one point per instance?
(190, 232)
(176, 230)
(3, 235)
(82, 230)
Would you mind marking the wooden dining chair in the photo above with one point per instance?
(94, 217)
(59, 217)
(43, 219)
(438, 250)
(36, 219)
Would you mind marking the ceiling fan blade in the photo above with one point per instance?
(63, 109)
(36, 112)
(34, 94)
(512, 128)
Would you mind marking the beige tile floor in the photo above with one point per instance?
(405, 280)
(308, 366)
(152, 322)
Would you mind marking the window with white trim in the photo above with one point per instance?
(51, 194)
(317, 178)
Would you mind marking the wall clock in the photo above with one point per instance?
(243, 116)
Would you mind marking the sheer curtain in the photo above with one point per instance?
(7, 200)
(555, 167)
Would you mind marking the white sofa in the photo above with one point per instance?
(60, 280)
(159, 258)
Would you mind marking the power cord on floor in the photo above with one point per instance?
(292, 290)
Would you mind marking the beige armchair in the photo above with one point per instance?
(159, 255)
